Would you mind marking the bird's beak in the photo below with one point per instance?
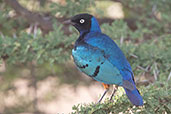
(67, 22)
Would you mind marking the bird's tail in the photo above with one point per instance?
(134, 96)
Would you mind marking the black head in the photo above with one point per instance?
(82, 22)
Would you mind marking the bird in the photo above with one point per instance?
(99, 57)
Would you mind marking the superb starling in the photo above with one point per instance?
(98, 56)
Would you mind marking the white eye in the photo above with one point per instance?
(82, 21)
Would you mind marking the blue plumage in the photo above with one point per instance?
(98, 56)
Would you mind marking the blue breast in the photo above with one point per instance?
(94, 62)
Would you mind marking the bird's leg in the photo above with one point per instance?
(106, 86)
(115, 88)
(103, 95)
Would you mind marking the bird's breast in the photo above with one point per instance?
(92, 62)
(87, 59)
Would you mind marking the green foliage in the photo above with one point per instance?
(153, 14)
(53, 47)
(156, 97)
(9, 26)
(117, 29)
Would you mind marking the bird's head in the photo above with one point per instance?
(84, 23)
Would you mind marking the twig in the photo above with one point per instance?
(140, 67)
(155, 74)
(2, 36)
(45, 22)
(133, 55)
(121, 40)
(35, 29)
(32, 17)
(155, 71)
(169, 76)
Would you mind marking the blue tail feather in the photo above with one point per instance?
(134, 96)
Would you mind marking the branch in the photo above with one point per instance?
(44, 22)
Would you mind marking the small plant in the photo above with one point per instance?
(156, 98)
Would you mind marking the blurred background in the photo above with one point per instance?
(37, 73)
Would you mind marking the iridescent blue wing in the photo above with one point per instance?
(113, 53)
